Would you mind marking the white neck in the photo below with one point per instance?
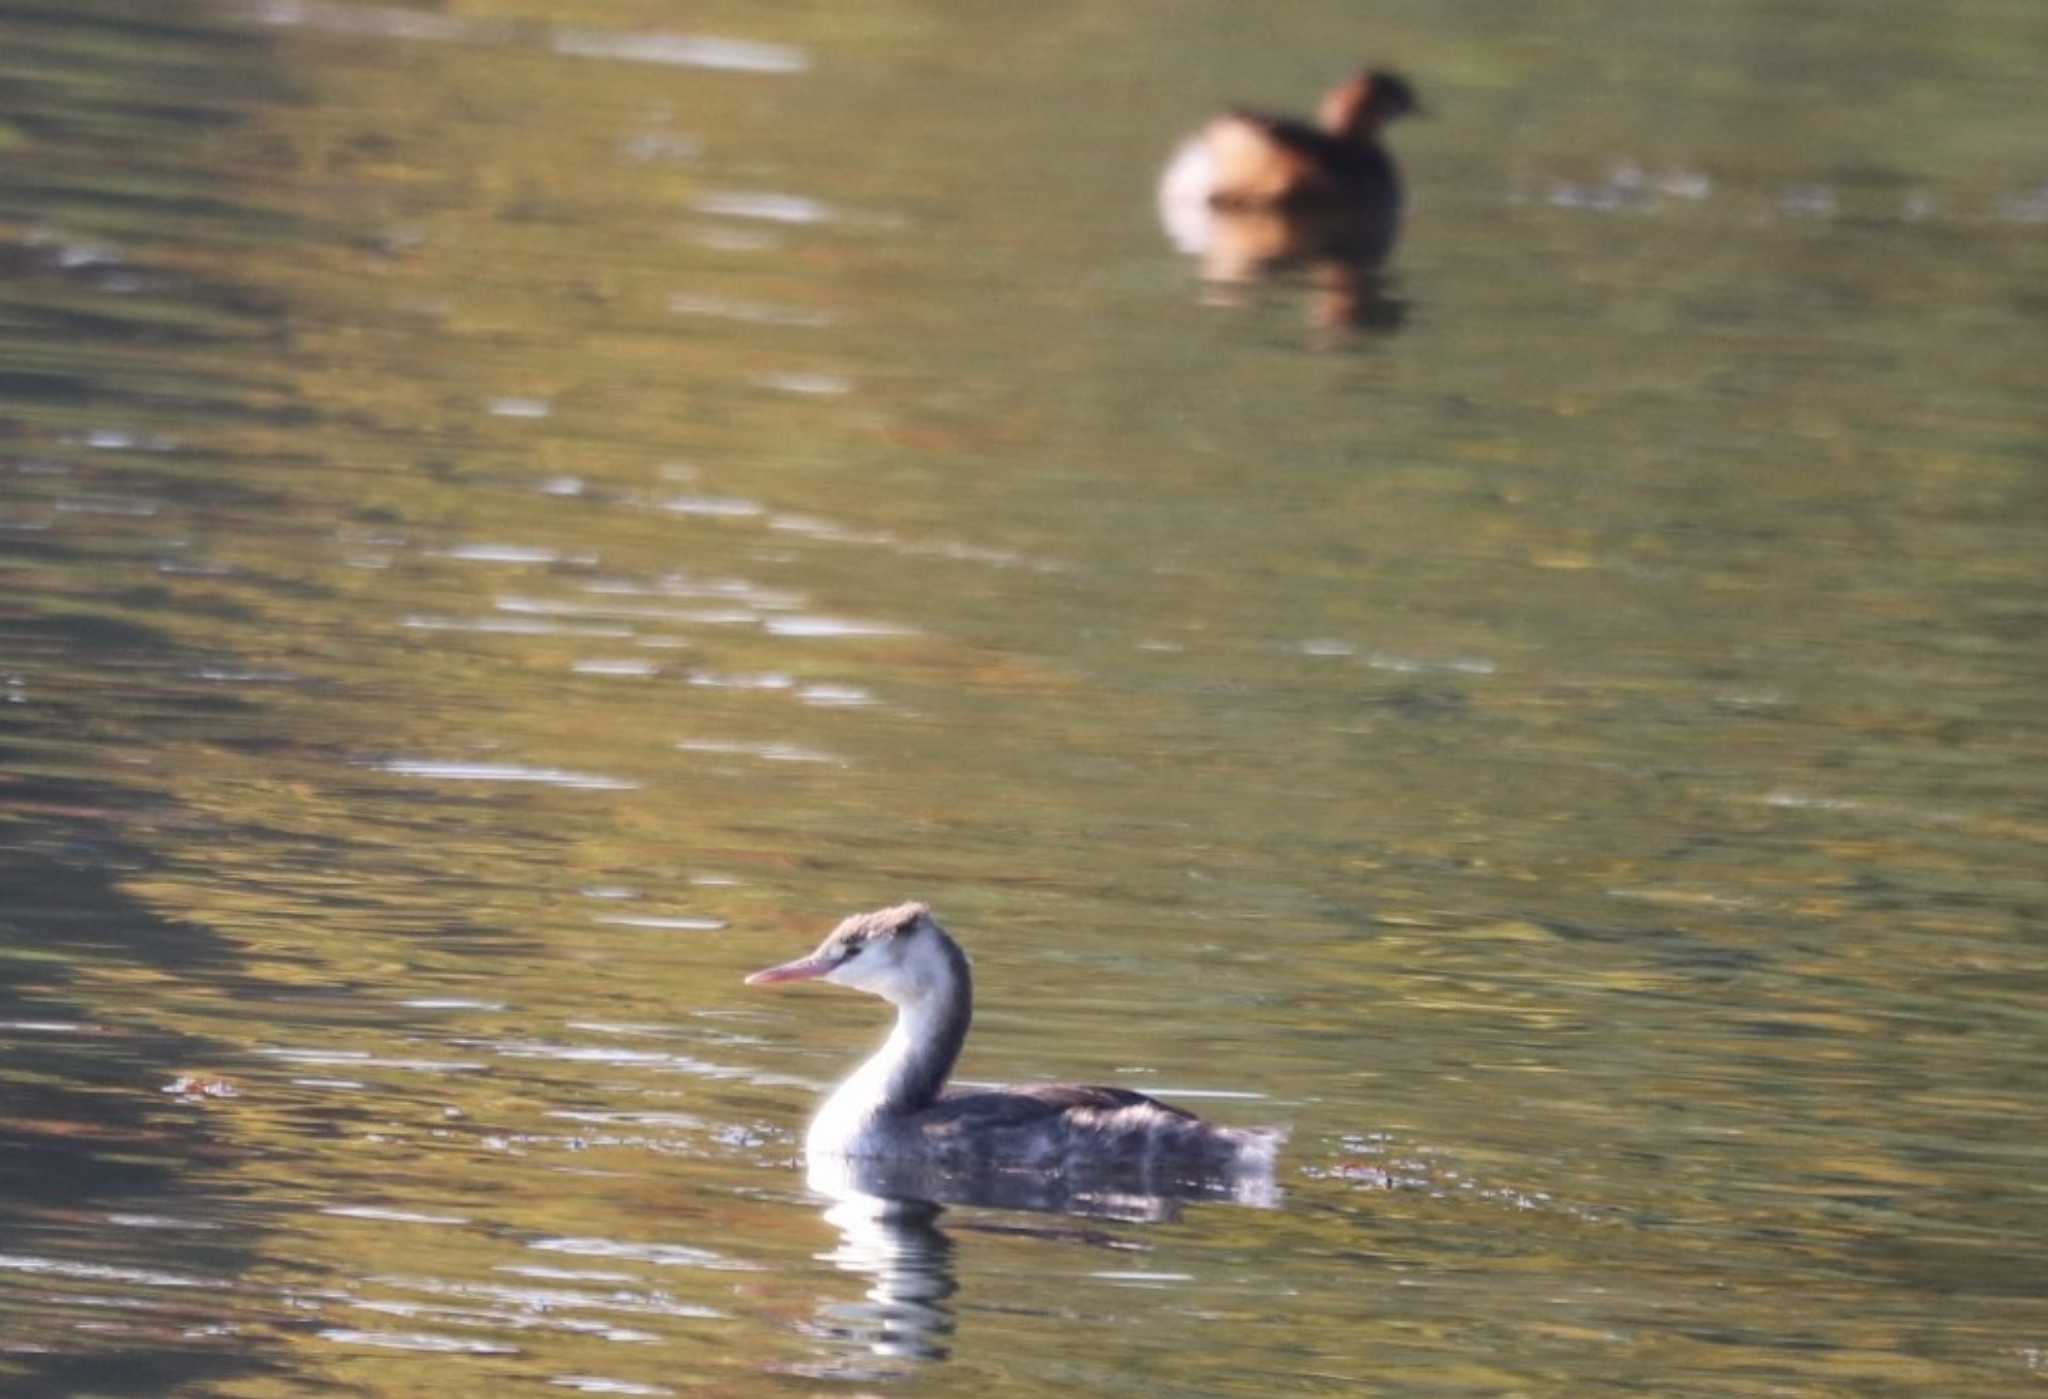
(933, 1009)
(910, 1068)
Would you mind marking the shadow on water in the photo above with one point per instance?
(109, 1181)
(114, 1246)
(88, 1131)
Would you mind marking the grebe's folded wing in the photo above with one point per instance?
(1253, 159)
(1257, 160)
(1028, 1103)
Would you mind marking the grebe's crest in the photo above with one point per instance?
(873, 930)
(882, 923)
(893, 953)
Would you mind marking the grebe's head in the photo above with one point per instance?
(900, 954)
(1357, 109)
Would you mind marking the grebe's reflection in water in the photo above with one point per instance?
(1118, 1195)
(887, 1214)
(897, 1245)
(1239, 248)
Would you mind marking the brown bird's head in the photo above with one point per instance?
(1358, 108)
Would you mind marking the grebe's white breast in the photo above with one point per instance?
(1187, 185)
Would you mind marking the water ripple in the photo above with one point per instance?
(391, 1216)
(416, 1340)
(507, 772)
(768, 680)
(814, 383)
(543, 1299)
(682, 51)
(503, 553)
(767, 752)
(508, 626)
(661, 1255)
(753, 312)
(836, 696)
(638, 1058)
(766, 206)
(99, 1272)
(727, 507)
(687, 925)
(810, 626)
(356, 1058)
(701, 616)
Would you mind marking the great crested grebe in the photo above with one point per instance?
(896, 1107)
